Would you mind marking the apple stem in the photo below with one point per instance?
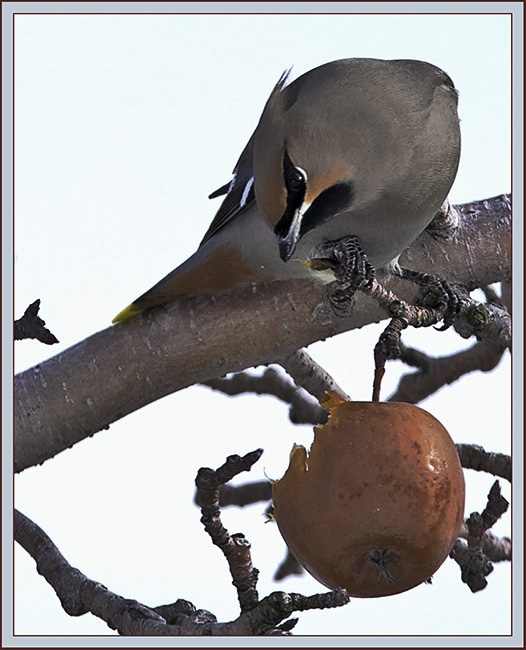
(388, 347)
(379, 373)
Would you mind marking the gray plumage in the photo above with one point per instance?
(385, 133)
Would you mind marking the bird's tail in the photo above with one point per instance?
(180, 282)
(129, 312)
(214, 267)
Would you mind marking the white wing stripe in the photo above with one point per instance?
(232, 183)
(246, 191)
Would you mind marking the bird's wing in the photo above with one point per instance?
(239, 193)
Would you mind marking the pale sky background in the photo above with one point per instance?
(124, 125)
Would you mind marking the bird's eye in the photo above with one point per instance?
(294, 180)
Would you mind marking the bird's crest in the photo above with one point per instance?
(276, 104)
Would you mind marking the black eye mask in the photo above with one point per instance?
(331, 201)
(296, 184)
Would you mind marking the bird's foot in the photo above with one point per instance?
(437, 293)
(350, 266)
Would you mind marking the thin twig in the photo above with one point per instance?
(236, 548)
(474, 563)
(436, 372)
(477, 458)
(246, 494)
(31, 326)
(487, 322)
(492, 296)
(310, 376)
(506, 294)
(279, 605)
(496, 549)
(288, 567)
(303, 409)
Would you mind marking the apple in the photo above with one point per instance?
(377, 503)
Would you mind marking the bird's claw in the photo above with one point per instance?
(437, 293)
(352, 268)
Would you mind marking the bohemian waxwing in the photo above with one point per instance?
(360, 148)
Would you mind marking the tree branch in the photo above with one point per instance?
(117, 371)
(477, 458)
(311, 376)
(246, 494)
(474, 564)
(303, 410)
(79, 594)
(496, 549)
(235, 548)
(436, 372)
(288, 567)
(31, 326)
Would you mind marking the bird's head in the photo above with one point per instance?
(303, 173)
(311, 199)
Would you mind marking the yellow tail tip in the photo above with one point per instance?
(129, 312)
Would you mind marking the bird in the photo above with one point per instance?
(357, 154)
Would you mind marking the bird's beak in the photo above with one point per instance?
(287, 244)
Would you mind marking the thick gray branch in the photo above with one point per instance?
(118, 370)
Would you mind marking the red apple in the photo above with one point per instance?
(377, 504)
